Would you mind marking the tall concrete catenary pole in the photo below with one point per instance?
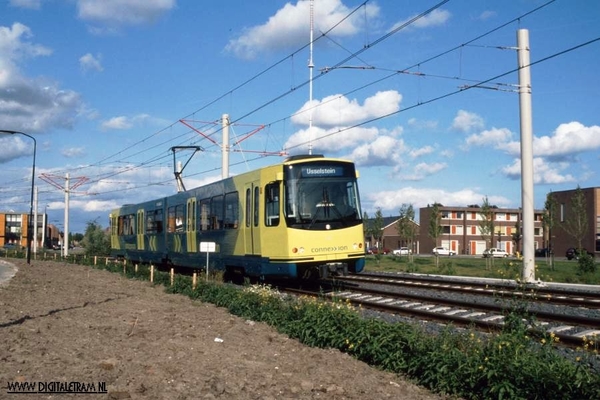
(225, 148)
(526, 155)
(311, 66)
(66, 233)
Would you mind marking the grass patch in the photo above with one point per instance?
(501, 268)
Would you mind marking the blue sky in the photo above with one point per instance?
(108, 87)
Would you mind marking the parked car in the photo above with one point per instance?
(375, 250)
(573, 253)
(402, 251)
(542, 252)
(495, 252)
(442, 251)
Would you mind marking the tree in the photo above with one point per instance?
(406, 225)
(435, 226)
(365, 219)
(486, 224)
(517, 235)
(95, 240)
(548, 222)
(376, 229)
(576, 224)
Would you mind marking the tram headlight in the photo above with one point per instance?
(298, 250)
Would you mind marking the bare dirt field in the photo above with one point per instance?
(74, 325)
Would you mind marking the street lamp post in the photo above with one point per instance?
(29, 220)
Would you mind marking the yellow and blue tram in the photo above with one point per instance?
(297, 219)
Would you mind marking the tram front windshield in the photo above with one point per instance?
(321, 196)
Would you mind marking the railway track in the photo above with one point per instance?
(504, 289)
(569, 315)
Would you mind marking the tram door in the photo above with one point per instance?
(140, 231)
(251, 218)
(190, 228)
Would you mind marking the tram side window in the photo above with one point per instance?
(248, 207)
(272, 204)
(204, 215)
(232, 210)
(126, 224)
(154, 221)
(216, 212)
(175, 219)
(158, 220)
(171, 220)
(179, 218)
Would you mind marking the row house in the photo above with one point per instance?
(462, 230)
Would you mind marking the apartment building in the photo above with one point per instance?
(13, 228)
(559, 236)
(462, 233)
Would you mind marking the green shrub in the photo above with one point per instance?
(470, 365)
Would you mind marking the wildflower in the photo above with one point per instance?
(543, 341)
(577, 359)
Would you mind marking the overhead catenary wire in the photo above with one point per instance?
(404, 71)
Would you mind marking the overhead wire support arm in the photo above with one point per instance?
(177, 171)
(199, 132)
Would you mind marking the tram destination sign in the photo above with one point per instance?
(315, 171)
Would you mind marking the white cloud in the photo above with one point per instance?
(495, 137)
(384, 150)
(543, 172)
(487, 15)
(466, 121)
(568, 139)
(422, 170)
(123, 122)
(119, 123)
(111, 14)
(30, 104)
(289, 27)
(19, 147)
(330, 140)
(435, 18)
(415, 153)
(89, 62)
(73, 152)
(391, 201)
(338, 110)
(422, 124)
(30, 4)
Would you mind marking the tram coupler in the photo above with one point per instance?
(333, 268)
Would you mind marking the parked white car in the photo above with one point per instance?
(402, 251)
(442, 251)
(495, 252)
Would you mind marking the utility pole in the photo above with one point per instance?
(311, 66)
(225, 148)
(67, 189)
(35, 220)
(523, 54)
